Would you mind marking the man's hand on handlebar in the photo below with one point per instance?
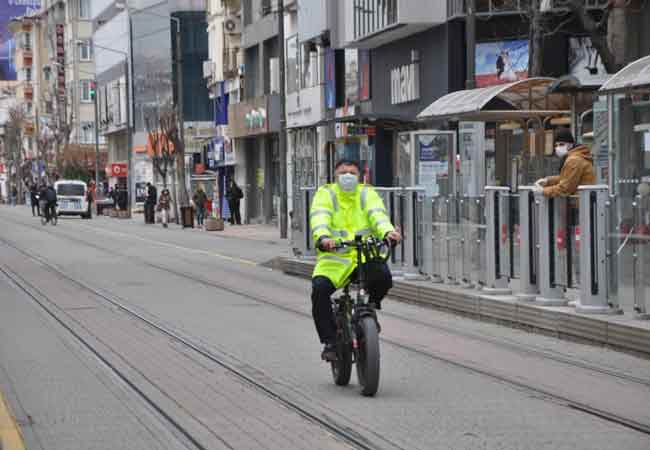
(395, 237)
(327, 245)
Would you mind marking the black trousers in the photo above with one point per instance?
(380, 282)
(36, 209)
(235, 215)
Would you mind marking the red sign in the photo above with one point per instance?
(60, 59)
(119, 170)
(561, 239)
(2, 168)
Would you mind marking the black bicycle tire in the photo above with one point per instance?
(368, 359)
(342, 367)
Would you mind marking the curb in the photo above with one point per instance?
(10, 436)
(560, 322)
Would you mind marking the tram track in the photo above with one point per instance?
(340, 432)
(537, 390)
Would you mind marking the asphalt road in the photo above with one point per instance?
(81, 370)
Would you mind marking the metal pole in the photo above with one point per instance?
(180, 158)
(129, 137)
(96, 141)
(283, 127)
(470, 39)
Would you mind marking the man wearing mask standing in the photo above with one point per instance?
(577, 168)
(339, 212)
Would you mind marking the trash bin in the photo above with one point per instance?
(187, 216)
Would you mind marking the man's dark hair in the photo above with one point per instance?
(347, 162)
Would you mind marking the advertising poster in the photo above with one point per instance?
(351, 75)
(501, 62)
(433, 165)
(10, 9)
(330, 79)
(364, 75)
(585, 63)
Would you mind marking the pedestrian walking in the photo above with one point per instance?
(14, 194)
(33, 194)
(234, 195)
(200, 198)
(150, 204)
(163, 206)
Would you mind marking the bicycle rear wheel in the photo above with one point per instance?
(342, 367)
(368, 356)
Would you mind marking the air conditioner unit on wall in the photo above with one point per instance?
(232, 25)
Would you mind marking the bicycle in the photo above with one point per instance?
(357, 327)
(48, 214)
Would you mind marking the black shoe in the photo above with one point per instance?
(329, 353)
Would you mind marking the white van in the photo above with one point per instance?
(72, 198)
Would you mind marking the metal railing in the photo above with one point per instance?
(536, 246)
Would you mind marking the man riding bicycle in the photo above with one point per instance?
(340, 211)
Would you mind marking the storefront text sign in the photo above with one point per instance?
(405, 82)
(118, 170)
(249, 118)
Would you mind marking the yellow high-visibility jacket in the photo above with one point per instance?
(336, 214)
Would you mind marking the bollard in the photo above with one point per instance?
(427, 237)
(495, 282)
(304, 239)
(438, 239)
(642, 257)
(550, 293)
(595, 207)
(528, 234)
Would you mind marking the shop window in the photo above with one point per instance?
(86, 50)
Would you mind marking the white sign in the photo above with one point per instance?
(405, 83)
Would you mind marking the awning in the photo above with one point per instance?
(634, 76)
(521, 99)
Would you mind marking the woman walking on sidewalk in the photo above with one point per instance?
(163, 206)
(199, 202)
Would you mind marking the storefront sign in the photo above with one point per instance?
(585, 63)
(118, 170)
(256, 119)
(249, 118)
(405, 81)
(60, 59)
(351, 75)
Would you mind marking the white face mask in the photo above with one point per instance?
(348, 181)
(561, 150)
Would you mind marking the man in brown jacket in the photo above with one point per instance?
(577, 168)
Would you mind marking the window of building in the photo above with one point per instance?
(84, 9)
(86, 50)
(29, 108)
(87, 133)
(27, 41)
(84, 93)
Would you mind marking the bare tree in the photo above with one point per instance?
(170, 124)
(163, 152)
(605, 26)
(14, 146)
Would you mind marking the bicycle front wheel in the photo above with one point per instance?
(368, 356)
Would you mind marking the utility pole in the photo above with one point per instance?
(470, 39)
(180, 153)
(129, 137)
(94, 90)
(284, 211)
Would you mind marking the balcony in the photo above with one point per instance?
(377, 22)
(457, 8)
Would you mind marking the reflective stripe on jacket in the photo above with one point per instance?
(341, 215)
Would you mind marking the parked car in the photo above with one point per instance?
(72, 196)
